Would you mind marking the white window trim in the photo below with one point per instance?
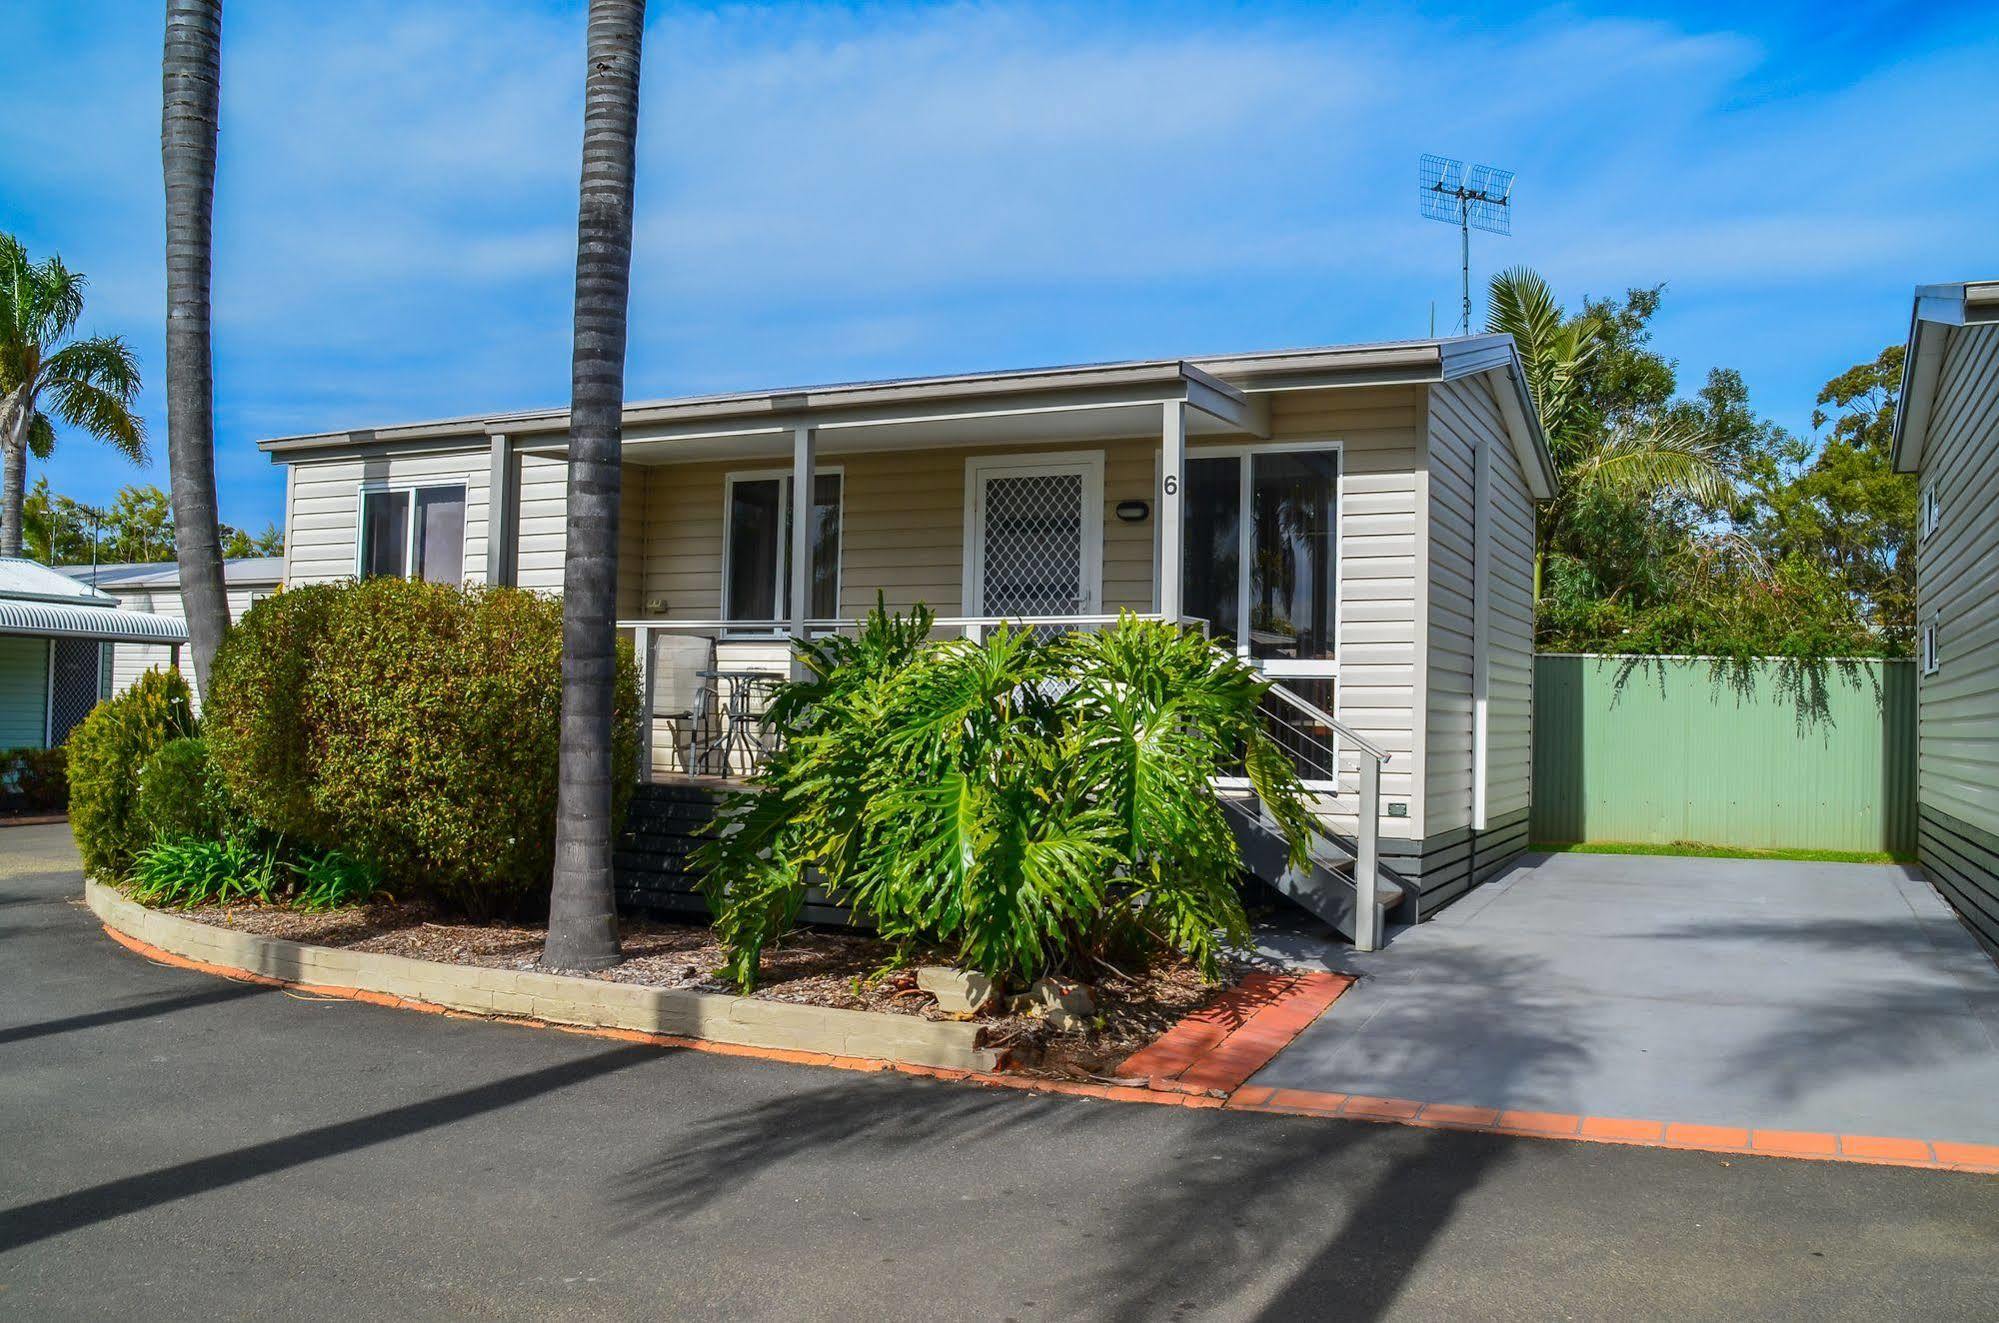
(783, 477)
(1089, 464)
(412, 486)
(1278, 667)
(1931, 658)
(1929, 509)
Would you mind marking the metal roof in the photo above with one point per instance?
(106, 624)
(166, 574)
(22, 579)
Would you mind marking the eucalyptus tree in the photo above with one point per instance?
(1629, 458)
(190, 95)
(47, 372)
(582, 922)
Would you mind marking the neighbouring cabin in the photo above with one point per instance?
(57, 638)
(153, 588)
(1947, 434)
(1357, 522)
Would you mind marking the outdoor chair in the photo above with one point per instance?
(682, 697)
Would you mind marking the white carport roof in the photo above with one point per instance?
(103, 623)
(40, 603)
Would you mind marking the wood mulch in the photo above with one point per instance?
(812, 966)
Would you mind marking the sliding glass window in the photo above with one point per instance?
(756, 575)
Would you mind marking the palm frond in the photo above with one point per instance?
(1652, 459)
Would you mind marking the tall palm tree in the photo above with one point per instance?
(89, 383)
(1634, 460)
(582, 923)
(191, 81)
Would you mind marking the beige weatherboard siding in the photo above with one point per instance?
(1405, 419)
(1947, 434)
(323, 505)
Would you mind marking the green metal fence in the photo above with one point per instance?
(1768, 755)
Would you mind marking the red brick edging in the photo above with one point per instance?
(1216, 1050)
(1204, 1061)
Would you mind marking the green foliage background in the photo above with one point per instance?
(1752, 541)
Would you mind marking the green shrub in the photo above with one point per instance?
(331, 879)
(247, 866)
(195, 870)
(409, 723)
(1029, 804)
(106, 752)
(256, 723)
(33, 780)
(179, 792)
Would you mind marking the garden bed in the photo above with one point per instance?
(811, 967)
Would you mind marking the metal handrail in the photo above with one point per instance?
(1325, 718)
(1367, 839)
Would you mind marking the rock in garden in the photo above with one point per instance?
(1054, 994)
(960, 991)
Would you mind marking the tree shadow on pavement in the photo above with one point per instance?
(29, 1223)
(1943, 1010)
(144, 1010)
(1146, 1212)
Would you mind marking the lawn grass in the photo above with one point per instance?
(1695, 850)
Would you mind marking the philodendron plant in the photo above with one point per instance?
(1022, 802)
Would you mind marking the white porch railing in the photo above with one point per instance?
(1313, 737)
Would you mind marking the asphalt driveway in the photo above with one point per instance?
(1840, 998)
(177, 1146)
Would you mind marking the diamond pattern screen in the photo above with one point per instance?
(1033, 562)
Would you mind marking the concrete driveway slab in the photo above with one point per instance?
(1819, 997)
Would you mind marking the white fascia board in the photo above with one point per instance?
(1523, 429)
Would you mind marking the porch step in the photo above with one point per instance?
(1326, 890)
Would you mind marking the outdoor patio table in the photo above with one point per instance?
(743, 715)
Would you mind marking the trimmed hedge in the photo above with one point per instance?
(106, 752)
(179, 792)
(33, 780)
(409, 723)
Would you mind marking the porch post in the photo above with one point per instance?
(500, 511)
(804, 447)
(1367, 856)
(1172, 498)
(648, 681)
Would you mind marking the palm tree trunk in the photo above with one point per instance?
(582, 923)
(191, 77)
(13, 472)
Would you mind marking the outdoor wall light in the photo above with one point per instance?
(1133, 512)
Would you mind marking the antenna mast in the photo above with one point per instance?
(1481, 200)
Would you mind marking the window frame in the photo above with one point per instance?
(1278, 667)
(1929, 511)
(411, 486)
(783, 558)
(1930, 654)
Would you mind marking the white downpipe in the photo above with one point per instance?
(1367, 858)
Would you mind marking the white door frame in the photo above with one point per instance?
(1087, 464)
(1326, 669)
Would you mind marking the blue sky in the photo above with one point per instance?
(828, 193)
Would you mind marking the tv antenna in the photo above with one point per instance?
(1480, 200)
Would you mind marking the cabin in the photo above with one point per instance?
(153, 588)
(56, 642)
(1355, 521)
(1947, 434)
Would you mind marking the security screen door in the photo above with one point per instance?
(1036, 536)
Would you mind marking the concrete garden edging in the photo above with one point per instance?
(554, 998)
